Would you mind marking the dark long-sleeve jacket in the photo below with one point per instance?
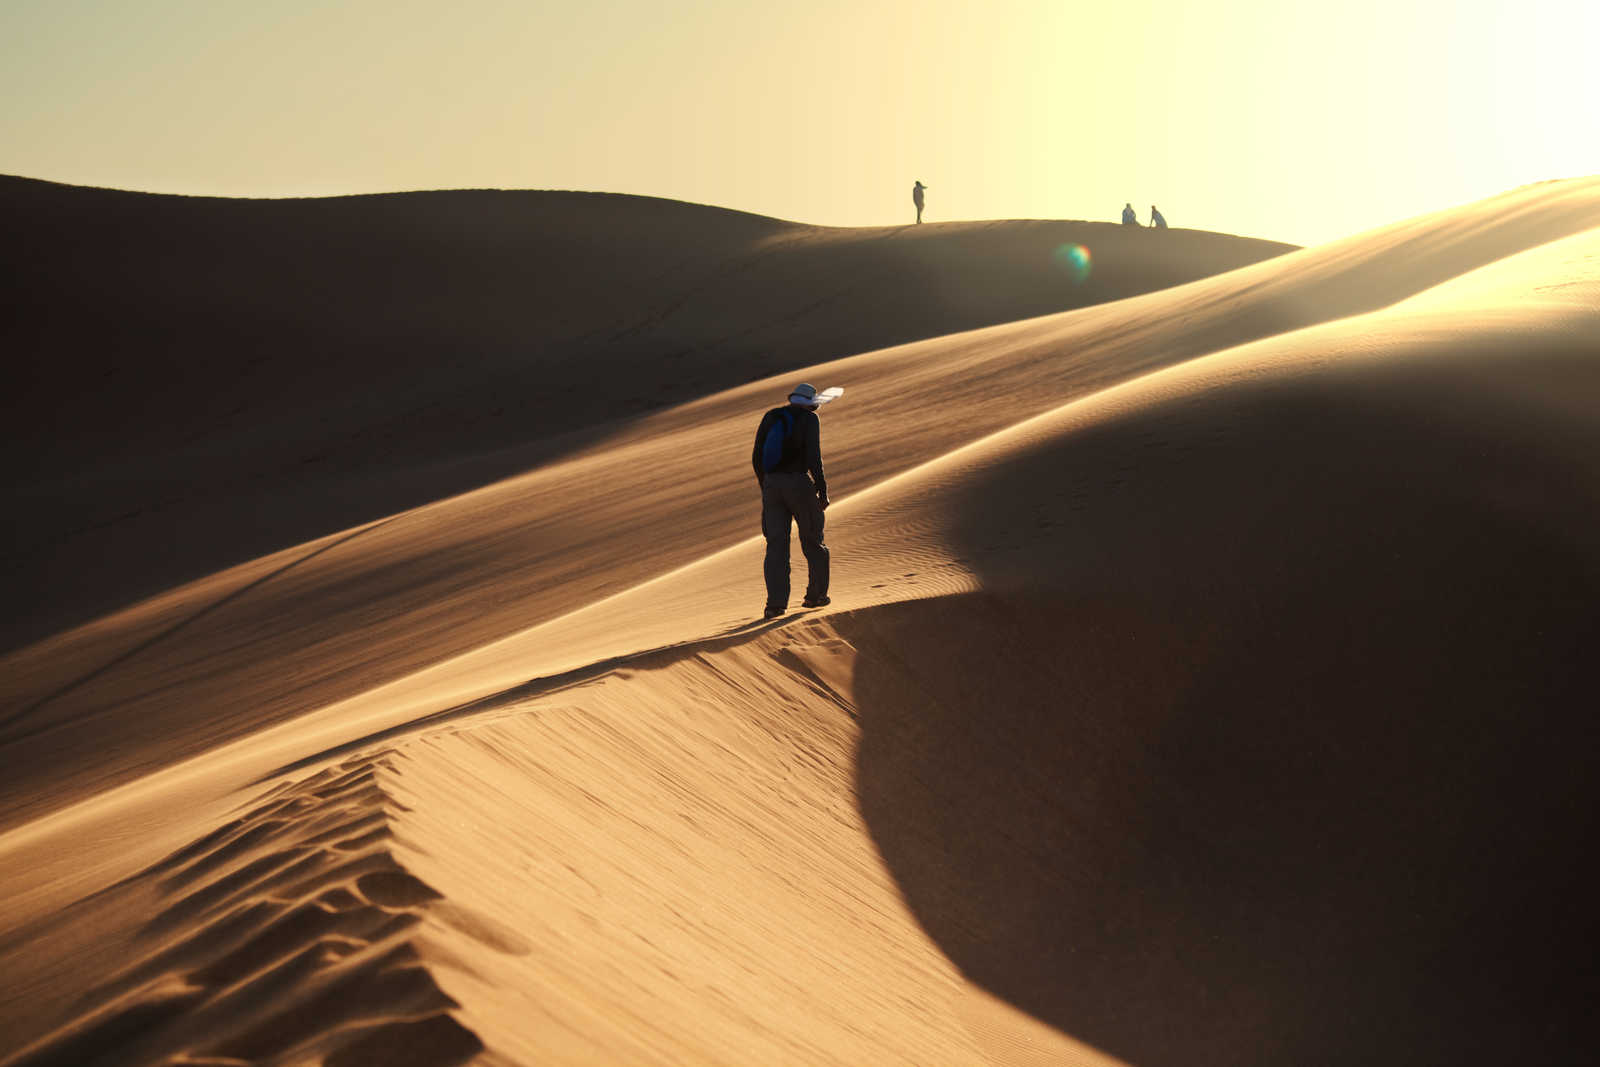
(808, 457)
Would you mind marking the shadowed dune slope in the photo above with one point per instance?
(1233, 713)
(197, 381)
(1268, 738)
(219, 658)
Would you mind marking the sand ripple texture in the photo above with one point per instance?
(286, 935)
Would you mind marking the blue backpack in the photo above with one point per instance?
(773, 448)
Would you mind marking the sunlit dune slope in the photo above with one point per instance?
(288, 633)
(196, 382)
(1234, 714)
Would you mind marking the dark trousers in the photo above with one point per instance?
(787, 497)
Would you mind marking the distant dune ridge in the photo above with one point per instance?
(1208, 686)
(199, 381)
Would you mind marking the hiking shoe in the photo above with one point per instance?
(771, 613)
(816, 602)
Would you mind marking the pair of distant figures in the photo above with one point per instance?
(1131, 217)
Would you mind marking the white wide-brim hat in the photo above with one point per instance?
(807, 395)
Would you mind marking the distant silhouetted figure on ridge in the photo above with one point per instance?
(1157, 219)
(1130, 217)
(916, 198)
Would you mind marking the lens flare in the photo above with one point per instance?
(1074, 259)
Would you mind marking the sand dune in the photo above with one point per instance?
(1204, 688)
(204, 381)
(304, 628)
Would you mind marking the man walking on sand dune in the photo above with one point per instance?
(916, 198)
(788, 462)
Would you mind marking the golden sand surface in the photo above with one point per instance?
(1205, 683)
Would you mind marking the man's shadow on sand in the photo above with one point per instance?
(1327, 801)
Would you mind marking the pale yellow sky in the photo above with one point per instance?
(1301, 121)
